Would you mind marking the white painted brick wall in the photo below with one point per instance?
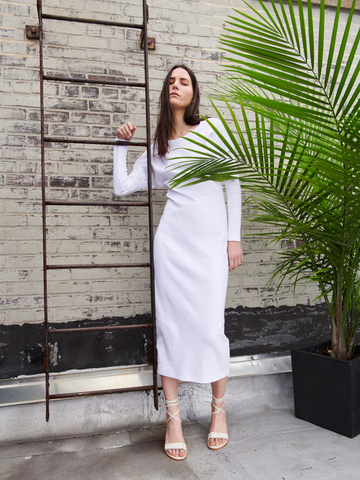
(185, 31)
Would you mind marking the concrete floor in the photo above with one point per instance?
(266, 443)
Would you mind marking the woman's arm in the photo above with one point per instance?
(234, 248)
(235, 254)
(125, 184)
(233, 191)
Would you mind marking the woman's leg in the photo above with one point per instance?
(218, 419)
(173, 427)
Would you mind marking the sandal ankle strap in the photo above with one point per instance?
(218, 400)
(218, 409)
(172, 403)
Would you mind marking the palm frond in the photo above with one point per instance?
(295, 145)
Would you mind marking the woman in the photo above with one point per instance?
(195, 246)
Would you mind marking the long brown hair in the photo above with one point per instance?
(165, 124)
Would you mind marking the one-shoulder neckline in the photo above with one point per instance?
(186, 134)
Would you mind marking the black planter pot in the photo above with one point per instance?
(327, 390)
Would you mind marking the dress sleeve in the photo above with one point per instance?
(233, 193)
(125, 184)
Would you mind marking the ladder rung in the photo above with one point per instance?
(100, 392)
(98, 329)
(92, 80)
(90, 20)
(92, 142)
(96, 203)
(99, 265)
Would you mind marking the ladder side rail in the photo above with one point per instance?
(151, 226)
(43, 193)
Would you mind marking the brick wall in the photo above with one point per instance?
(185, 31)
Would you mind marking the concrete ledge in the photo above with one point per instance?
(129, 411)
(31, 388)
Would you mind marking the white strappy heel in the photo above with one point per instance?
(179, 445)
(217, 434)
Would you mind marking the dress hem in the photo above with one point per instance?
(190, 379)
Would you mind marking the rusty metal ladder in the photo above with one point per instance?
(45, 203)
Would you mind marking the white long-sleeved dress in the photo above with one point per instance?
(191, 264)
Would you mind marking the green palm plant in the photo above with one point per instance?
(298, 149)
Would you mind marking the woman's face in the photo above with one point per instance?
(180, 89)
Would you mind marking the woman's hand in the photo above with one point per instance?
(126, 131)
(235, 255)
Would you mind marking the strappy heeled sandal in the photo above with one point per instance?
(179, 445)
(217, 434)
